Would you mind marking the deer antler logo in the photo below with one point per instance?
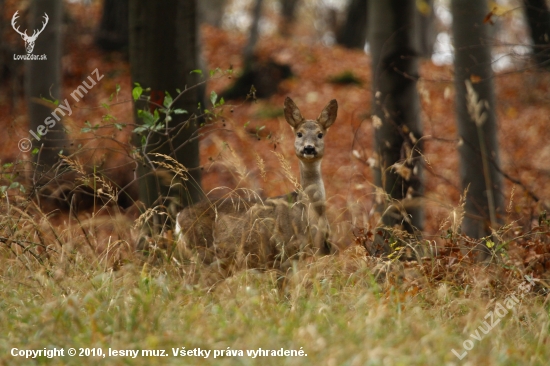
(29, 41)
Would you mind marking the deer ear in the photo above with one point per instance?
(328, 115)
(292, 113)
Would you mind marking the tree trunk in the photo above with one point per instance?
(538, 18)
(250, 47)
(396, 110)
(4, 48)
(353, 33)
(265, 76)
(425, 31)
(211, 12)
(163, 51)
(288, 11)
(43, 79)
(113, 29)
(478, 150)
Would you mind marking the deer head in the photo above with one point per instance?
(29, 41)
(309, 144)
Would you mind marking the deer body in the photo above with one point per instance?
(273, 232)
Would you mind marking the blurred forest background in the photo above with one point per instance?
(406, 133)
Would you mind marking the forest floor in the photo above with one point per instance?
(78, 281)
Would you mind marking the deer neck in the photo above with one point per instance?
(312, 183)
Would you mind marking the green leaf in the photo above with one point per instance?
(136, 92)
(156, 115)
(35, 151)
(246, 124)
(119, 126)
(85, 129)
(222, 101)
(180, 111)
(7, 165)
(197, 71)
(56, 102)
(213, 97)
(147, 118)
(167, 100)
(117, 89)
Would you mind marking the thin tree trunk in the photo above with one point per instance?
(163, 51)
(353, 33)
(250, 47)
(112, 34)
(425, 31)
(478, 151)
(4, 48)
(538, 18)
(396, 109)
(265, 76)
(43, 80)
(288, 11)
(211, 12)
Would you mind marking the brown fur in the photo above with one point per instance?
(270, 233)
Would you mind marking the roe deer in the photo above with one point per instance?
(273, 232)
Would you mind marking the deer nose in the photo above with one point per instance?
(309, 150)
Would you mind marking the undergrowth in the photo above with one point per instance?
(83, 283)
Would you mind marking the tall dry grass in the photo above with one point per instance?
(82, 282)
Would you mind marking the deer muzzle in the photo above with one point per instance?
(309, 151)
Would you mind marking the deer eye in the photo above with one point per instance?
(320, 135)
(299, 134)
